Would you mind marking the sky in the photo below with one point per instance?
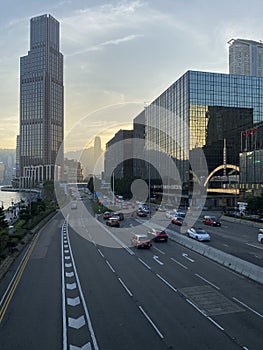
(119, 55)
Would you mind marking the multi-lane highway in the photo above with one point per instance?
(84, 287)
(232, 237)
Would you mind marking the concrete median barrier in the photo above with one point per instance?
(234, 263)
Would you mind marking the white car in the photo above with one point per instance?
(179, 212)
(199, 234)
(170, 214)
(260, 235)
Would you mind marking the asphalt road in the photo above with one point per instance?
(167, 297)
(32, 319)
(234, 238)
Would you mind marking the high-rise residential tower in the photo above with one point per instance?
(246, 57)
(41, 102)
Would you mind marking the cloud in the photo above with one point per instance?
(85, 28)
(100, 46)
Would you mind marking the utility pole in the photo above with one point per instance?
(224, 157)
(113, 188)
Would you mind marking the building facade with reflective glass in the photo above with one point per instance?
(41, 96)
(204, 112)
(245, 57)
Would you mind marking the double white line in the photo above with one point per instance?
(69, 263)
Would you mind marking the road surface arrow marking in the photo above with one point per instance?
(187, 257)
(84, 347)
(156, 258)
(71, 286)
(69, 274)
(76, 323)
(67, 257)
(73, 301)
(68, 265)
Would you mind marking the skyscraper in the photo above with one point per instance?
(41, 101)
(195, 116)
(246, 57)
(97, 149)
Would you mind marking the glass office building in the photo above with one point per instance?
(245, 57)
(41, 98)
(203, 112)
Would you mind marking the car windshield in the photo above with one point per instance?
(213, 218)
(201, 232)
(142, 238)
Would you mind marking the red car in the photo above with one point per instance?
(158, 235)
(113, 222)
(177, 220)
(211, 220)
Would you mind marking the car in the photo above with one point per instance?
(170, 214)
(158, 235)
(141, 241)
(113, 222)
(211, 220)
(199, 234)
(260, 235)
(118, 215)
(107, 215)
(141, 213)
(178, 220)
(179, 212)
(160, 208)
(144, 207)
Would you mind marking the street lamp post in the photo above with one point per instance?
(113, 189)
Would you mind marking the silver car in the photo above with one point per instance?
(199, 234)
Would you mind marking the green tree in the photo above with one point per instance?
(24, 213)
(49, 191)
(3, 221)
(123, 186)
(255, 205)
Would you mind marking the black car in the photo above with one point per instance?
(141, 213)
(107, 215)
(118, 215)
